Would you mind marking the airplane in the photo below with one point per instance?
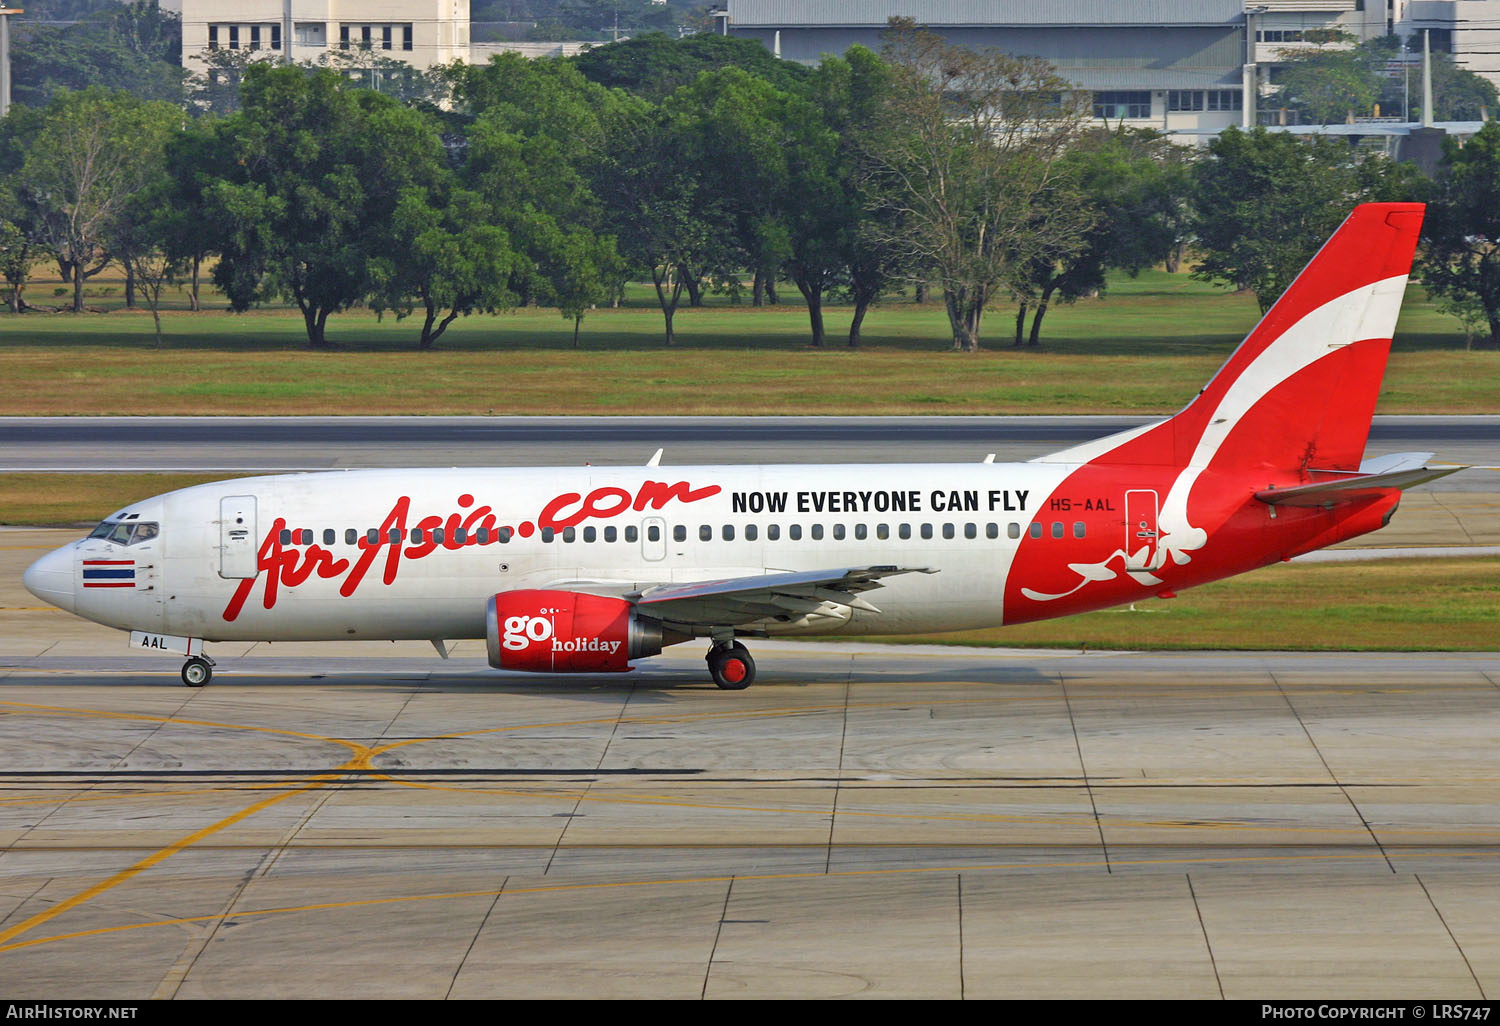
(587, 569)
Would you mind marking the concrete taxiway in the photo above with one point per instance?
(245, 445)
(368, 821)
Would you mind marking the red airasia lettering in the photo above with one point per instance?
(289, 567)
(283, 566)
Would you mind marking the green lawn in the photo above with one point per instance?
(1147, 347)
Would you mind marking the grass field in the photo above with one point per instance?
(1147, 347)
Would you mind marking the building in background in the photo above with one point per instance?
(1188, 67)
(422, 33)
(1467, 30)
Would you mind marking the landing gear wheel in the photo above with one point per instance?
(197, 672)
(731, 666)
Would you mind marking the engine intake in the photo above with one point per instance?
(543, 631)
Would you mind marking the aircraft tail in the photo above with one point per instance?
(1299, 392)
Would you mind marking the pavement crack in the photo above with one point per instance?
(718, 932)
(1329, 769)
(479, 930)
(1423, 884)
(1212, 962)
(1083, 769)
(838, 783)
(588, 786)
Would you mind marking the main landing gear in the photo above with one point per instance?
(197, 671)
(731, 666)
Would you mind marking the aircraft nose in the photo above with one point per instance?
(51, 578)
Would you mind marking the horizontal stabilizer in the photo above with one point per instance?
(1354, 488)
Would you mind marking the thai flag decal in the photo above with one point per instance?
(109, 573)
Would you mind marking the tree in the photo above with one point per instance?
(149, 241)
(1266, 201)
(968, 151)
(654, 66)
(1329, 86)
(17, 254)
(446, 256)
(537, 145)
(1462, 230)
(95, 150)
(851, 92)
(127, 46)
(580, 270)
(315, 172)
(1128, 180)
(668, 219)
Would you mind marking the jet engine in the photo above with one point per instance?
(569, 632)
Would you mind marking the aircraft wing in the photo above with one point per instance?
(812, 594)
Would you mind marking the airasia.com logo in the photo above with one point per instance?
(522, 631)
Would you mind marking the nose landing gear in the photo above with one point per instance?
(197, 671)
(731, 666)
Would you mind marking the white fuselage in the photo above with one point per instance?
(617, 528)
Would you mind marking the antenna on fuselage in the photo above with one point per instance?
(655, 460)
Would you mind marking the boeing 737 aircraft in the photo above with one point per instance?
(583, 570)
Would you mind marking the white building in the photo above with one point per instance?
(422, 33)
(1469, 30)
(1188, 67)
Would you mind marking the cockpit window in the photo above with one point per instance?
(126, 533)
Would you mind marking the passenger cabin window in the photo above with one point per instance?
(351, 536)
(773, 532)
(926, 530)
(1012, 530)
(838, 532)
(794, 532)
(1078, 529)
(729, 532)
(817, 532)
(1036, 529)
(653, 533)
(610, 534)
(679, 533)
(992, 530)
(632, 534)
(482, 535)
(590, 534)
(905, 531)
(547, 534)
(1057, 529)
(569, 533)
(705, 533)
(751, 533)
(285, 537)
(504, 535)
(947, 530)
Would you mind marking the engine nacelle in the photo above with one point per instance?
(568, 632)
